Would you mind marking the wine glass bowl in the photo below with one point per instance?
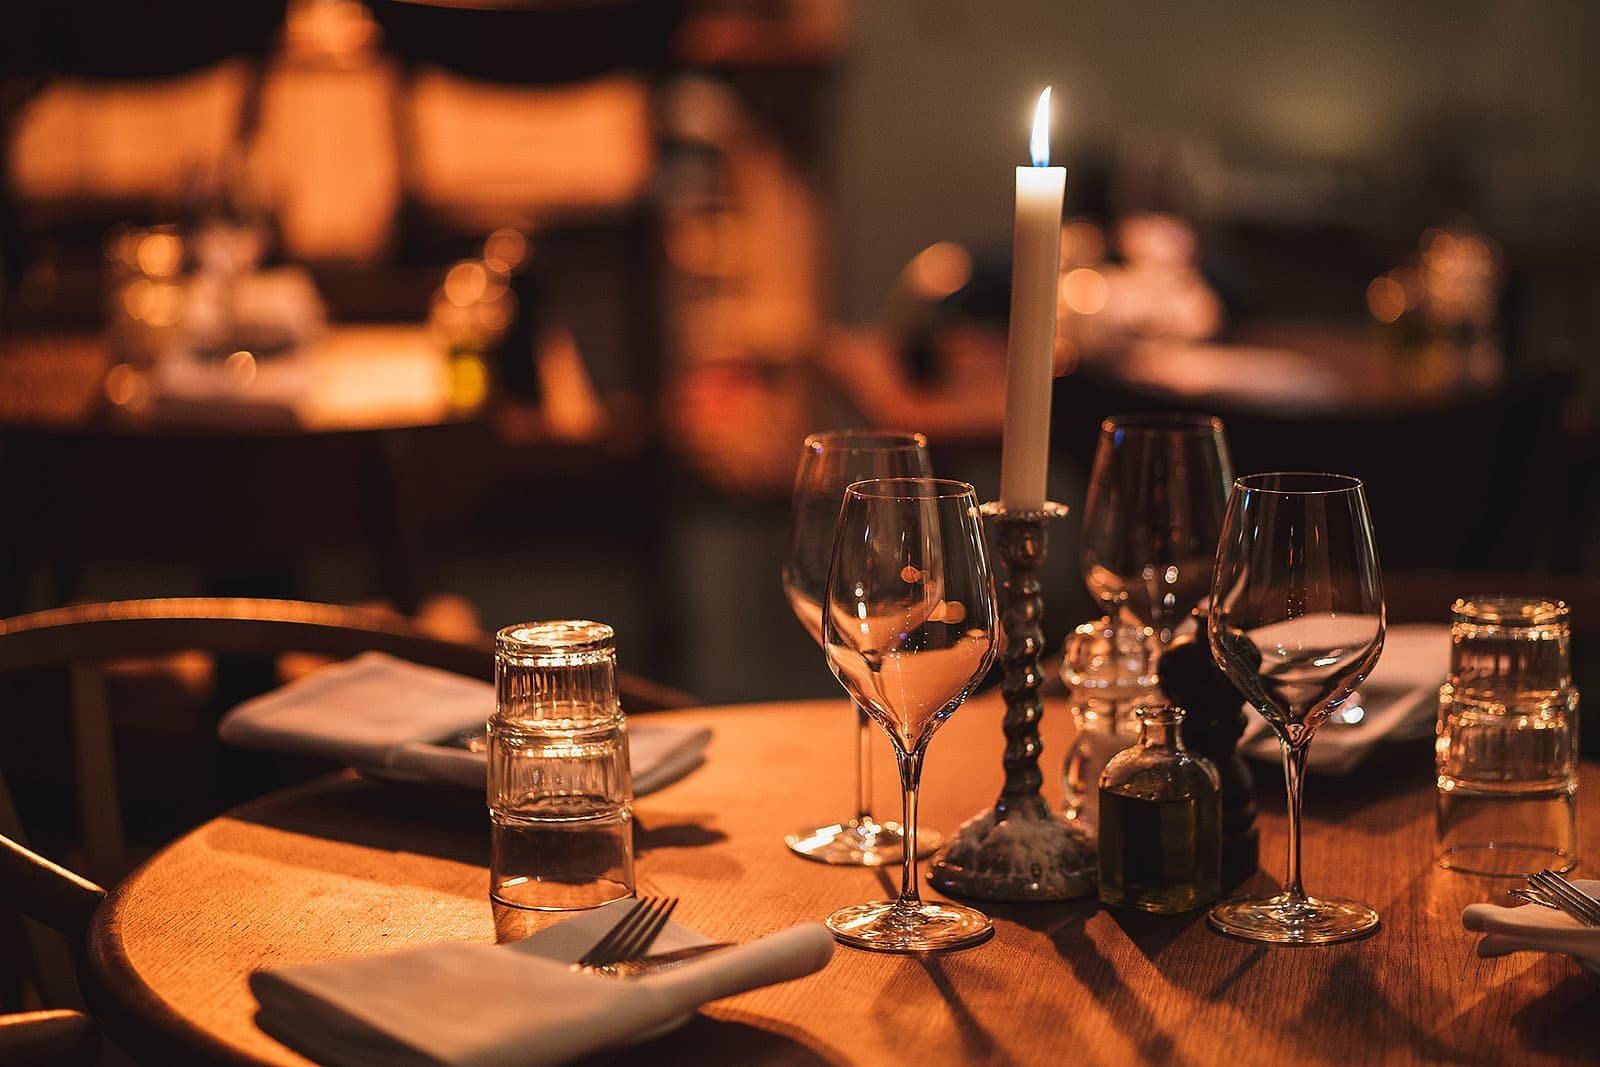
(1296, 622)
(829, 462)
(909, 630)
(1157, 493)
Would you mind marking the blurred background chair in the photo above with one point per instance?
(56, 1038)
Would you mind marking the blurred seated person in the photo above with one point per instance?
(938, 362)
(742, 241)
(1154, 291)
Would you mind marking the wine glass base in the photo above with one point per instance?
(859, 843)
(889, 926)
(1496, 860)
(1286, 920)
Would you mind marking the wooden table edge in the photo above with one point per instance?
(139, 1019)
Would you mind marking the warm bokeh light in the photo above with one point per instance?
(241, 368)
(125, 387)
(1386, 299)
(122, 246)
(156, 304)
(469, 382)
(1411, 283)
(136, 298)
(466, 283)
(939, 270)
(493, 317)
(504, 250)
(1084, 291)
(1437, 242)
(160, 254)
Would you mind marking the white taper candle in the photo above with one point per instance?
(1031, 342)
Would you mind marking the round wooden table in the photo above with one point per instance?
(345, 867)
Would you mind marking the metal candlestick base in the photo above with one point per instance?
(1020, 849)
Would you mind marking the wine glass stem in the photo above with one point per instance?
(1294, 770)
(864, 728)
(910, 779)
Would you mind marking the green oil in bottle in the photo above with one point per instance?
(1160, 822)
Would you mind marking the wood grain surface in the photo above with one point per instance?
(347, 867)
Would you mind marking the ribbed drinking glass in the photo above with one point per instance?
(560, 786)
(1507, 741)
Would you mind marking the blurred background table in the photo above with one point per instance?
(345, 867)
(355, 378)
(247, 477)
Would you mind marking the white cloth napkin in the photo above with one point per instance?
(387, 716)
(1400, 700)
(518, 1004)
(1530, 928)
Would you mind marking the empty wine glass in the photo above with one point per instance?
(909, 629)
(828, 463)
(1296, 623)
(1157, 494)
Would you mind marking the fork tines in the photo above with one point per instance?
(633, 934)
(1567, 896)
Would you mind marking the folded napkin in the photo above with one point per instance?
(1400, 701)
(1530, 928)
(392, 718)
(500, 1005)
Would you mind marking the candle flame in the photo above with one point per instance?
(1039, 143)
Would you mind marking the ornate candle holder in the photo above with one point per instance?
(1020, 849)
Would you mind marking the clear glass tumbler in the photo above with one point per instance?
(560, 787)
(1507, 740)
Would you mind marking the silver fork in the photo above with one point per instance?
(632, 936)
(1528, 896)
(1567, 897)
(658, 961)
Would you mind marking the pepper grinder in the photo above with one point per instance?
(1191, 678)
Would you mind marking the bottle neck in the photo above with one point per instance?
(1158, 728)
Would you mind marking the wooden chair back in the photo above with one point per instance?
(83, 638)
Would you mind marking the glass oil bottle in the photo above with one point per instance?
(1160, 822)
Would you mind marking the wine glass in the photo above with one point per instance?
(1296, 623)
(909, 629)
(828, 463)
(1157, 494)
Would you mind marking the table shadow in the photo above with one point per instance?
(378, 816)
(1562, 1022)
(694, 831)
(1150, 933)
(1096, 974)
(426, 821)
(735, 1041)
(1351, 999)
(977, 1044)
